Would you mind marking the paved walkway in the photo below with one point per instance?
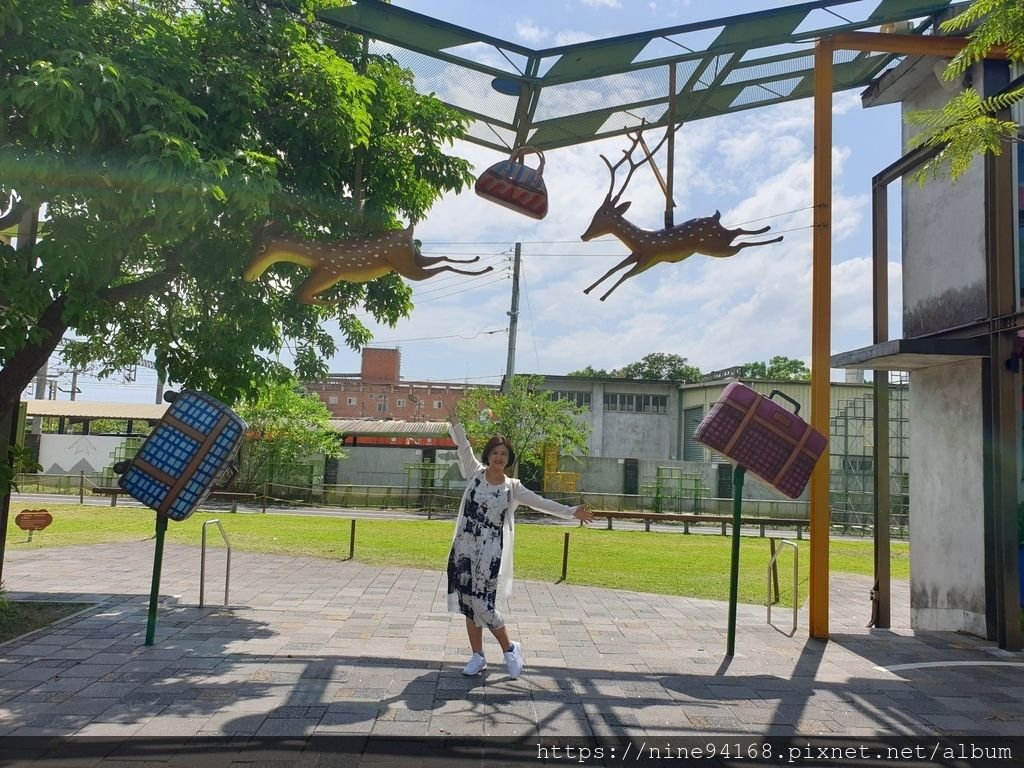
(312, 646)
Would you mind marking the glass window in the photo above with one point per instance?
(580, 399)
(622, 401)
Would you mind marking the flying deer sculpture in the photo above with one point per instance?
(669, 245)
(354, 261)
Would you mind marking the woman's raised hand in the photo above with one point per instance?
(453, 414)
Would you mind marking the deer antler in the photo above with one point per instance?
(669, 245)
(627, 156)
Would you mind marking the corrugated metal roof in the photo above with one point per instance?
(86, 409)
(390, 428)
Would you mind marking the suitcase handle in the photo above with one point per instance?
(231, 472)
(518, 154)
(794, 403)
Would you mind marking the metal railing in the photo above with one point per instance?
(202, 564)
(446, 501)
(773, 571)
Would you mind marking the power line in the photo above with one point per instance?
(465, 290)
(435, 338)
(529, 311)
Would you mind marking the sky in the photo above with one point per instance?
(754, 166)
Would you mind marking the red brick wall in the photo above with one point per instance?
(381, 364)
(379, 393)
(350, 398)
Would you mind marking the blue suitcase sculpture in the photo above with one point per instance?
(185, 456)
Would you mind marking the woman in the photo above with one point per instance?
(480, 561)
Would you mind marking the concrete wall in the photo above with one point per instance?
(947, 563)
(607, 475)
(71, 454)
(943, 235)
(625, 434)
(366, 465)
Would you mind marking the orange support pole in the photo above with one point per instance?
(821, 333)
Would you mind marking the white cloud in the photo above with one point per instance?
(603, 3)
(845, 102)
(572, 36)
(527, 30)
(755, 167)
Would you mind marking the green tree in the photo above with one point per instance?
(153, 136)
(527, 416)
(590, 373)
(779, 368)
(287, 425)
(663, 366)
(968, 125)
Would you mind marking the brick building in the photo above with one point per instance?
(378, 391)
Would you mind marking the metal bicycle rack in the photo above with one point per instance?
(796, 571)
(202, 564)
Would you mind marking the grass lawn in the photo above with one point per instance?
(695, 565)
(20, 618)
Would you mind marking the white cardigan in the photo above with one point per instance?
(517, 494)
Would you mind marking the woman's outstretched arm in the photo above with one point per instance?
(528, 498)
(468, 463)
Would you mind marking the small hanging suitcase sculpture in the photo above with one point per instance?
(773, 443)
(181, 461)
(515, 185)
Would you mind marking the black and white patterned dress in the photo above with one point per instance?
(480, 560)
(475, 559)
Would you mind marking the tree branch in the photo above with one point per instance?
(27, 361)
(145, 286)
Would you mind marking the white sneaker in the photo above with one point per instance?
(514, 661)
(476, 664)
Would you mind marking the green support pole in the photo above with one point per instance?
(734, 566)
(154, 592)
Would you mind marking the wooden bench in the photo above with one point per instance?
(115, 491)
(687, 519)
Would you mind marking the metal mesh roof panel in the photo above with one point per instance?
(567, 95)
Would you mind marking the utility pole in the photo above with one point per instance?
(510, 366)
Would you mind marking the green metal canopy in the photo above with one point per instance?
(557, 97)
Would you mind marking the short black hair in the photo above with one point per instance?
(493, 443)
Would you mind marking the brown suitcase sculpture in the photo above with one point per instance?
(515, 185)
(759, 434)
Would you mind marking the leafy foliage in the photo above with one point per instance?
(153, 136)
(779, 368)
(590, 373)
(967, 125)
(286, 425)
(661, 366)
(527, 417)
(19, 461)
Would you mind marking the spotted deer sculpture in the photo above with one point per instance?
(669, 245)
(354, 261)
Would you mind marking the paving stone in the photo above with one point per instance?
(336, 647)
